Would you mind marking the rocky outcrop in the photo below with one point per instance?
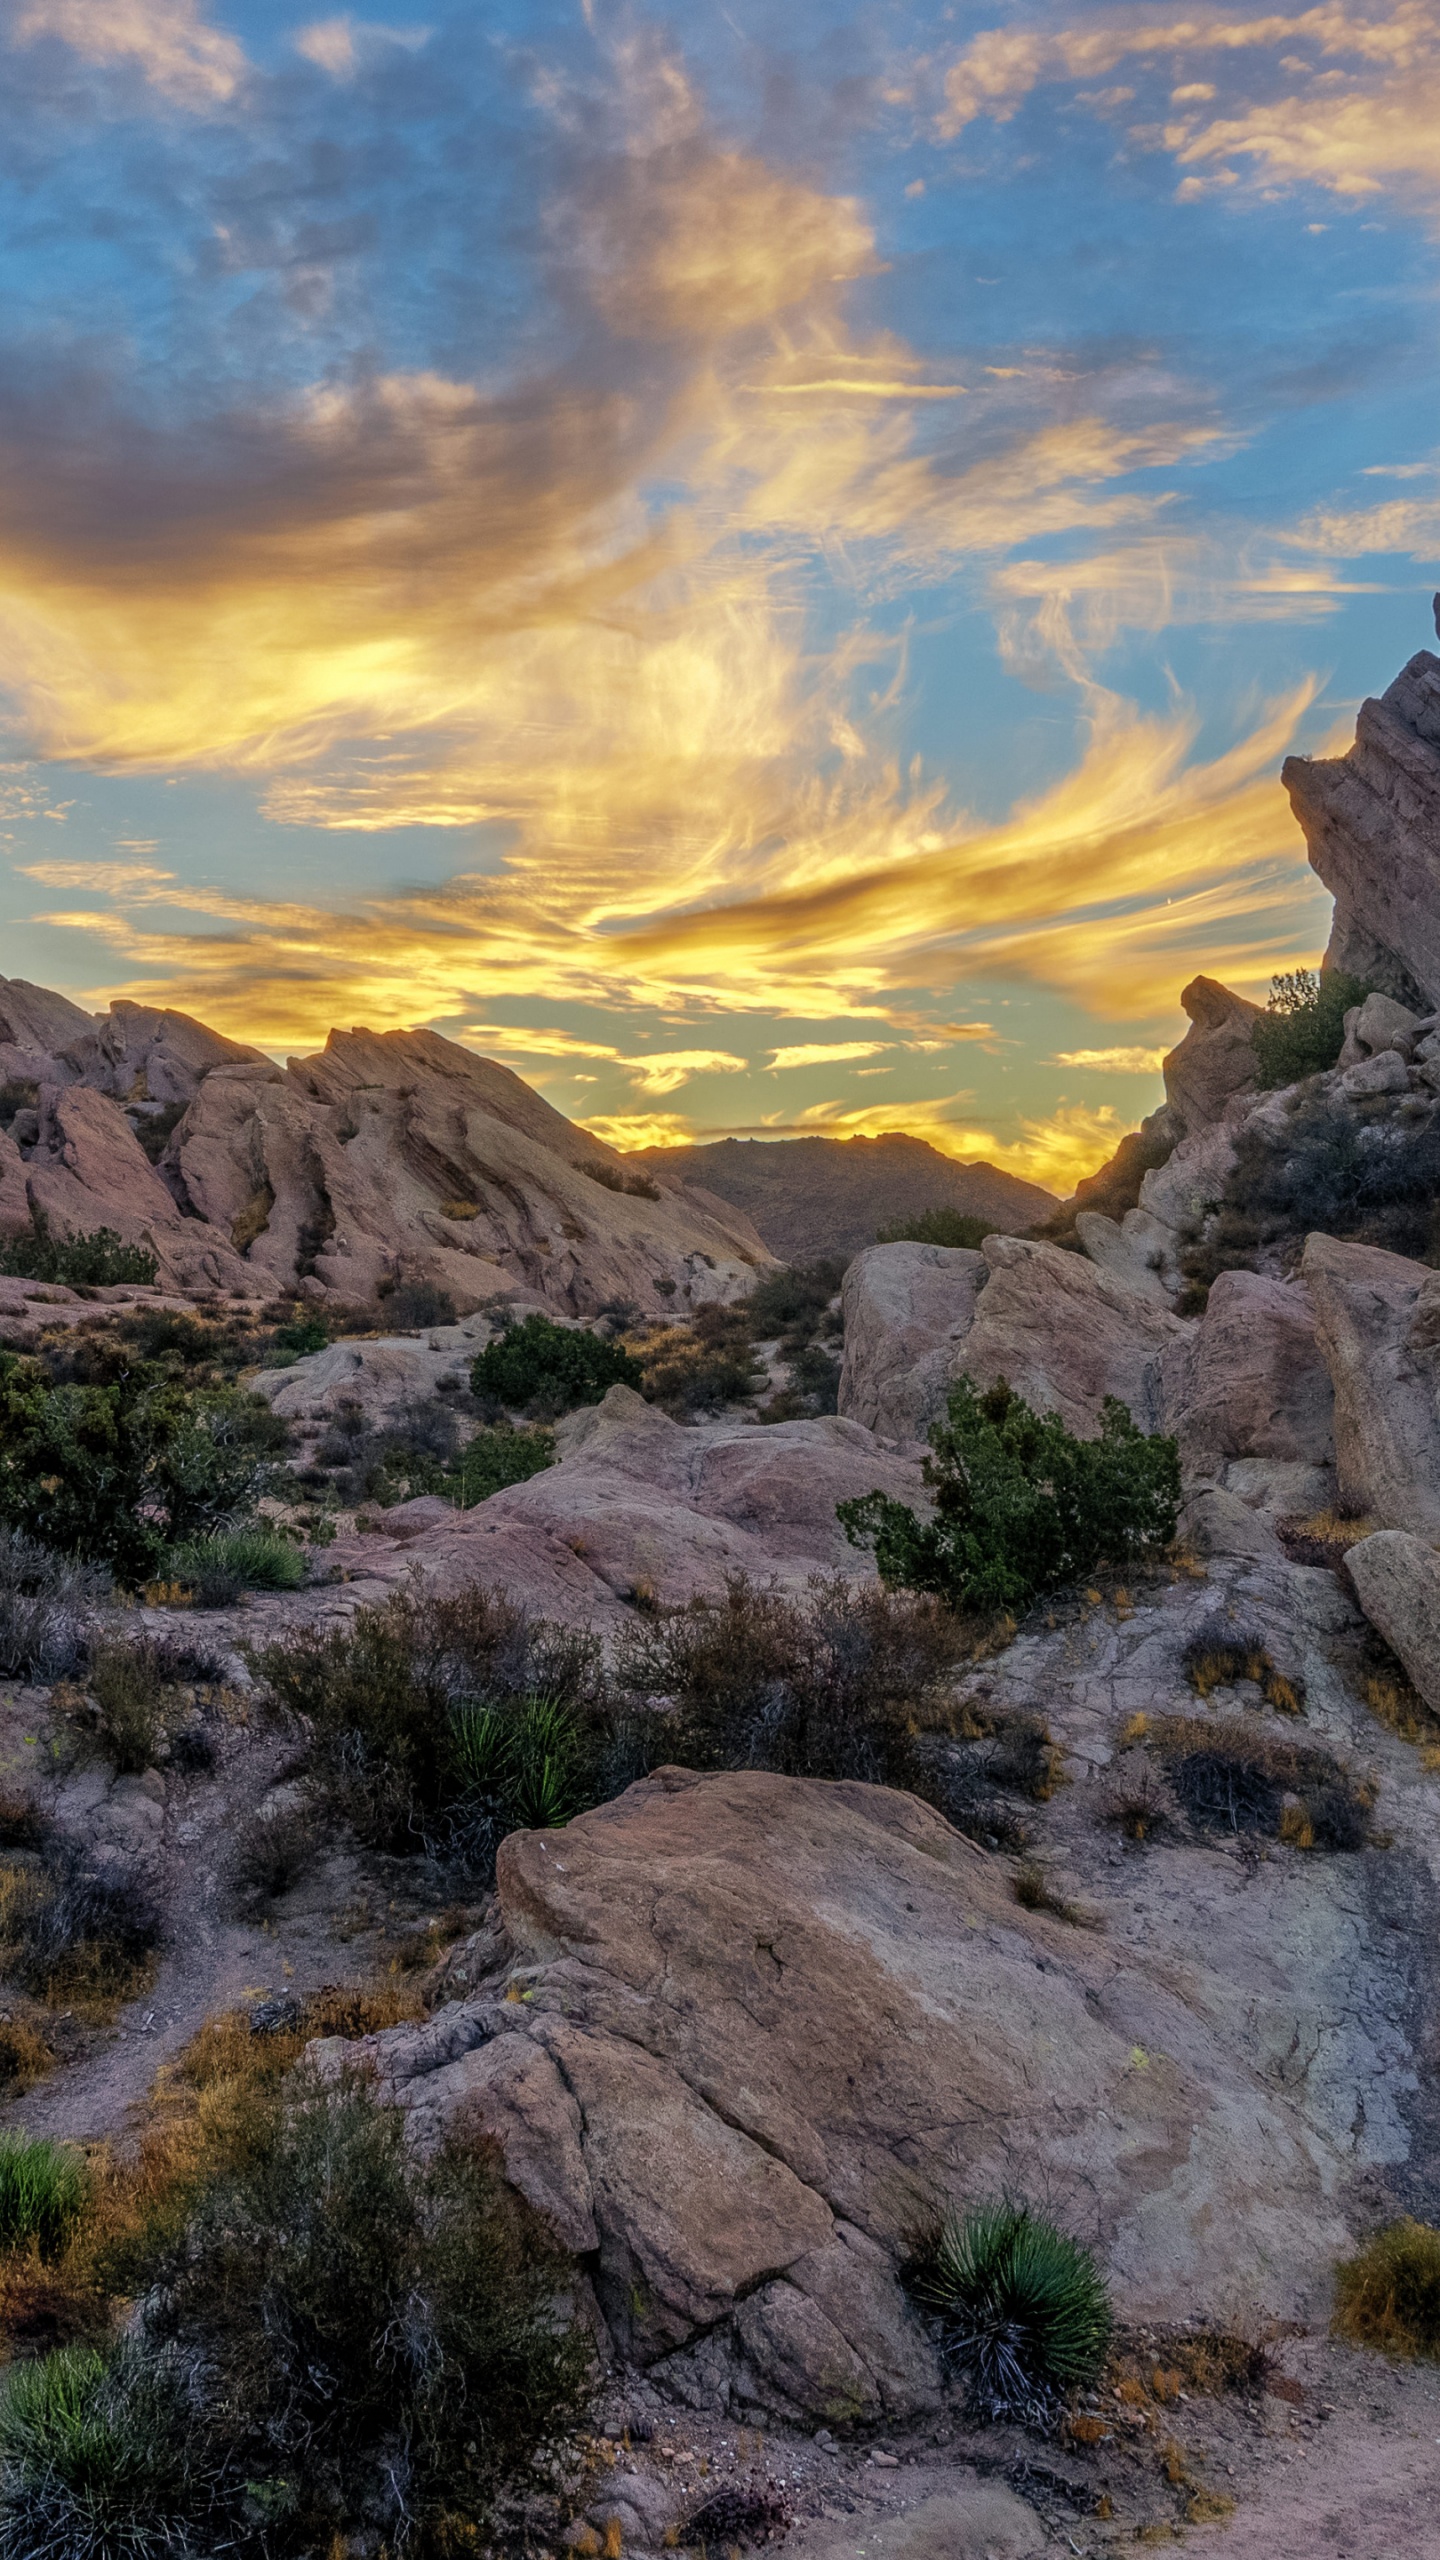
(35, 1025)
(145, 1054)
(1067, 1335)
(761, 2030)
(1378, 1324)
(1397, 1582)
(1372, 825)
(907, 1309)
(1215, 1060)
(87, 1170)
(401, 1156)
(1252, 1381)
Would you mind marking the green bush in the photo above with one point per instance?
(96, 1261)
(1388, 2295)
(381, 1697)
(1023, 2310)
(122, 1468)
(42, 2191)
(106, 2458)
(380, 2337)
(124, 1680)
(229, 1561)
(937, 1226)
(522, 1763)
(1302, 1030)
(550, 1368)
(1021, 1504)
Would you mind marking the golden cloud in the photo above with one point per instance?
(1119, 1062)
(167, 41)
(822, 1053)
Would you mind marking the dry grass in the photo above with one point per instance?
(1388, 2296)
(25, 2056)
(1218, 1661)
(1138, 1795)
(1034, 1891)
(1231, 1775)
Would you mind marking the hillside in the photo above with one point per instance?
(810, 1196)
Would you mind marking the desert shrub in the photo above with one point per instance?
(118, 1471)
(1388, 2295)
(1139, 1796)
(304, 1334)
(522, 1764)
(272, 1852)
(1302, 1030)
(218, 1568)
(826, 1686)
(42, 2191)
(25, 2057)
(130, 1700)
(71, 1935)
(493, 1459)
(545, 1368)
(937, 1226)
(1216, 1657)
(697, 1368)
(412, 1306)
(421, 1454)
(381, 1695)
(739, 2514)
(1023, 2311)
(106, 2458)
(793, 1301)
(1234, 1777)
(1033, 1890)
(1354, 1171)
(96, 1261)
(1021, 1505)
(380, 2337)
(154, 1129)
(610, 1178)
(46, 1601)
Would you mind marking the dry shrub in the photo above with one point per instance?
(1323, 1538)
(1388, 2296)
(25, 2056)
(272, 1852)
(1034, 1892)
(1139, 1796)
(72, 1936)
(1216, 1659)
(1230, 1776)
(1158, 2364)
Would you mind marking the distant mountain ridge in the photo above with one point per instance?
(812, 1196)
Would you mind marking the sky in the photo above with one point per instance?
(758, 566)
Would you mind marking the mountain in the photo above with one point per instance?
(811, 1196)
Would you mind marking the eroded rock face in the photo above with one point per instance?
(35, 1026)
(787, 2022)
(1378, 1324)
(1252, 1383)
(907, 1310)
(88, 1170)
(1067, 1335)
(1372, 826)
(1215, 1060)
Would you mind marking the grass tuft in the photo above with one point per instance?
(1388, 2296)
(42, 2191)
(1023, 2310)
(218, 1568)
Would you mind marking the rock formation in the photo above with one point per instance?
(388, 1158)
(1378, 1317)
(1215, 1060)
(1372, 826)
(768, 2028)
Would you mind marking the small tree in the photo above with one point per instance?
(1302, 1029)
(938, 1226)
(1021, 1504)
(549, 1367)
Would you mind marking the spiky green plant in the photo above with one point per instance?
(1023, 2309)
(525, 1759)
(220, 1567)
(101, 2458)
(42, 2190)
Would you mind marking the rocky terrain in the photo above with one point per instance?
(1157, 1948)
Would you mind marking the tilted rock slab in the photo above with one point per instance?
(89, 1170)
(907, 1309)
(1378, 1322)
(1251, 1381)
(752, 2033)
(1397, 1582)
(1215, 1060)
(1372, 826)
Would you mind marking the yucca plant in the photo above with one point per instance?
(220, 1567)
(524, 1761)
(42, 2190)
(1023, 2310)
(101, 2458)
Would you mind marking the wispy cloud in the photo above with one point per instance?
(184, 59)
(343, 45)
(1118, 1062)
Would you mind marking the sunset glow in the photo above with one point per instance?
(762, 577)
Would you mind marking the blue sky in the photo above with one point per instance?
(763, 578)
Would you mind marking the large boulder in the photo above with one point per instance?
(1378, 1324)
(790, 2023)
(1067, 1335)
(907, 1310)
(1216, 1059)
(1397, 1582)
(36, 1025)
(1252, 1381)
(1372, 826)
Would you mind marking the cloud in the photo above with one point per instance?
(118, 877)
(1119, 1062)
(629, 1130)
(187, 62)
(824, 1054)
(1054, 1152)
(664, 1070)
(1355, 113)
(343, 45)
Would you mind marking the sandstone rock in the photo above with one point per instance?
(1372, 824)
(1123, 1254)
(1379, 1023)
(1066, 1335)
(15, 1218)
(907, 1309)
(88, 1170)
(400, 1155)
(37, 1021)
(981, 2520)
(143, 1053)
(1378, 1324)
(1397, 1580)
(797, 2020)
(1251, 1381)
(385, 1375)
(1215, 1060)
(1386, 1073)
